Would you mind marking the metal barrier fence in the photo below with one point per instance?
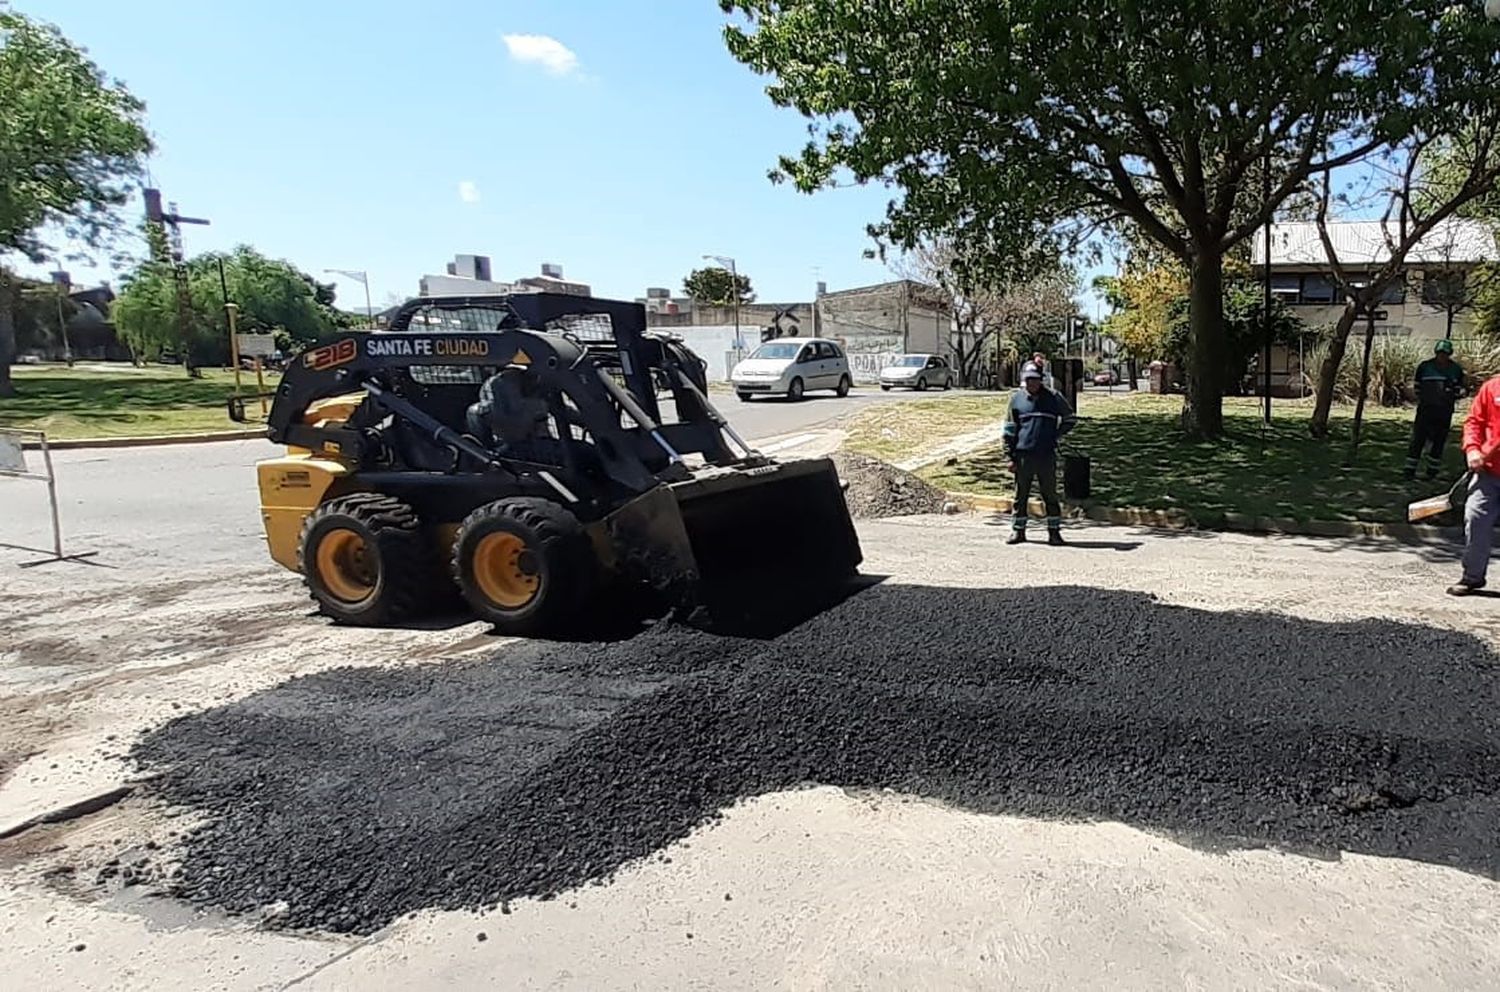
(13, 465)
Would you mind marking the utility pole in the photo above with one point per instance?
(363, 278)
(1265, 308)
(734, 290)
(172, 222)
(62, 281)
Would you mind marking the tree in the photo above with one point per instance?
(1011, 124)
(1244, 327)
(273, 297)
(715, 287)
(982, 312)
(1145, 300)
(1422, 184)
(70, 141)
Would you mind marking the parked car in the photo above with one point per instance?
(920, 372)
(1107, 377)
(790, 367)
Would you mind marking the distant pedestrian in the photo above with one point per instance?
(1482, 507)
(1440, 383)
(1040, 361)
(1038, 418)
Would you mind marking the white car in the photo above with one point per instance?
(790, 367)
(921, 372)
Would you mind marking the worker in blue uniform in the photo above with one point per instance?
(1037, 420)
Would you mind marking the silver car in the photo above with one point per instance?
(920, 372)
(790, 367)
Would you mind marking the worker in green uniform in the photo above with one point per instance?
(1440, 382)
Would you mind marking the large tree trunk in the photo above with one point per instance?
(7, 334)
(1203, 413)
(1328, 375)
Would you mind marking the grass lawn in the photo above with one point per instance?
(896, 431)
(120, 401)
(1140, 460)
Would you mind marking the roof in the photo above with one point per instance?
(881, 287)
(1364, 242)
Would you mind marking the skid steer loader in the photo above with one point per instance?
(516, 446)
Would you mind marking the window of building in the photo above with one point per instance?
(1318, 289)
(1288, 288)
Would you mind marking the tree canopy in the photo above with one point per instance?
(715, 287)
(1008, 125)
(989, 315)
(70, 142)
(273, 296)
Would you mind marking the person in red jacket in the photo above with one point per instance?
(1482, 508)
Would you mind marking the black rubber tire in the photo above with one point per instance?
(744, 397)
(795, 390)
(844, 386)
(922, 384)
(404, 566)
(947, 384)
(884, 388)
(561, 555)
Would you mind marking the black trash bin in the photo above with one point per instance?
(1076, 476)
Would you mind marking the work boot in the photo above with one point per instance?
(1054, 538)
(1016, 537)
(1463, 587)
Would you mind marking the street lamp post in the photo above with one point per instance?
(363, 278)
(734, 288)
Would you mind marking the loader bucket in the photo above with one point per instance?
(727, 541)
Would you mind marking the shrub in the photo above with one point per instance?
(1393, 367)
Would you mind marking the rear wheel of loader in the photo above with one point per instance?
(524, 565)
(365, 560)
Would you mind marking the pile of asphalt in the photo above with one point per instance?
(348, 798)
(880, 489)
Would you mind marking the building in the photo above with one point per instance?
(551, 281)
(877, 323)
(873, 323)
(470, 275)
(1429, 301)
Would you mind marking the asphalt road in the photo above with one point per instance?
(177, 506)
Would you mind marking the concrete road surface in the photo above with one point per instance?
(193, 506)
(817, 888)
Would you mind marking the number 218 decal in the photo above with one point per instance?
(331, 355)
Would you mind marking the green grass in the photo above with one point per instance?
(896, 431)
(120, 401)
(1141, 460)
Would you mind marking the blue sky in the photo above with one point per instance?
(619, 140)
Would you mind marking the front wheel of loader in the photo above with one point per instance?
(524, 565)
(365, 560)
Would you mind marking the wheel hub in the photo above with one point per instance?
(346, 566)
(506, 570)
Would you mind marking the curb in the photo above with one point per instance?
(1235, 522)
(150, 440)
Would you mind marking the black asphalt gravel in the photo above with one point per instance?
(880, 489)
(357, 795)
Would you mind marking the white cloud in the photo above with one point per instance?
(543, 50)
(468, 191)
